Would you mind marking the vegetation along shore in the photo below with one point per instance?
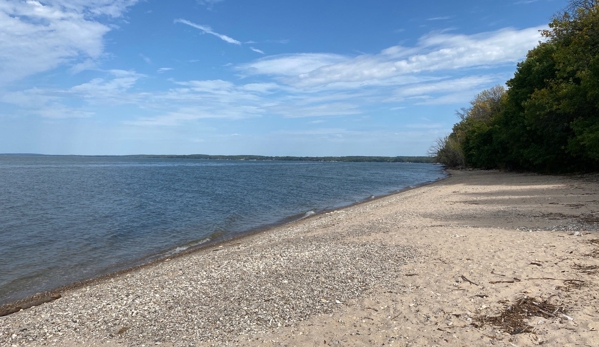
(548, 118)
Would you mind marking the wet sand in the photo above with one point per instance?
(432, 266)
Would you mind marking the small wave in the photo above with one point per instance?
(308, 214)
(176, 251)
(193, 244)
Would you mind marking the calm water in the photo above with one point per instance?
(65, 219)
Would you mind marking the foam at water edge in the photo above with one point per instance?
(181, 249)
(308, 214)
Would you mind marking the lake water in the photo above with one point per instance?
(66, 219)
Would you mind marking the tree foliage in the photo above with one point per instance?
(548, 119)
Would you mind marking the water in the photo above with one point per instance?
(66, 219)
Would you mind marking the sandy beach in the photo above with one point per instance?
(482, 258)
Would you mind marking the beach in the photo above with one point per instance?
(430, 266)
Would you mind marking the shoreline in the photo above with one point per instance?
(428, 266)
(53, 294)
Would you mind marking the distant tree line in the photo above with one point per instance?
(402, 159)
(548, 118)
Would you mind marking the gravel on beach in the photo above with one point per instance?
(432, 266)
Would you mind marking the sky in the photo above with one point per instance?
(263, 77)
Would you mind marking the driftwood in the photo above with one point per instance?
(552, 279)
(467, 280)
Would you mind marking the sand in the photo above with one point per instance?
(432, 266)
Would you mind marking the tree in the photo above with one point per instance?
(461, 147)
(447, 151)
(548, 119)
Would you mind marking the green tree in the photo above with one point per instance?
(461, 147)
(548, 120)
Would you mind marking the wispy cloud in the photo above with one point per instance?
(145, 58)
(433, 53)
(197, 112)
(206, 29)
(448, 85)
(322, 110)
(112, 88)
(63, 112)
(256, 50)
(209, 3)
(439, 18)
(282, 41)
(290, 64)
(88, 64)
(164, 69)
(524, 2)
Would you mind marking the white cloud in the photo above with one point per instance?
(43, 103)
(291, 64)
(113, 8)
(262, 88)
(206, 29)
(439, 18)
(31, 98)
(256, 50)
(108, 89)
(54, 103)
(145, 58)
(194, 113)
(445, 86)
(440, 69)
(210, 86)
(209, 3)
(164, 69)
(38, 37)
(88, 64)
(58, 111)
(433, 53)
(323, 110)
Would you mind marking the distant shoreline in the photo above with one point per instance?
(346, 159)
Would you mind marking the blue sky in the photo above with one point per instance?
(267, 77)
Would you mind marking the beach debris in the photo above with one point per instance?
(593, 254)
(506, 281)
(534, 263)
(467, 280)
(512, 318)
(567, 317)
(587, 269)
(570, 285)
(552, 279)
(495, 273)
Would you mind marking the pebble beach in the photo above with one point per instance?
(430, 266)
